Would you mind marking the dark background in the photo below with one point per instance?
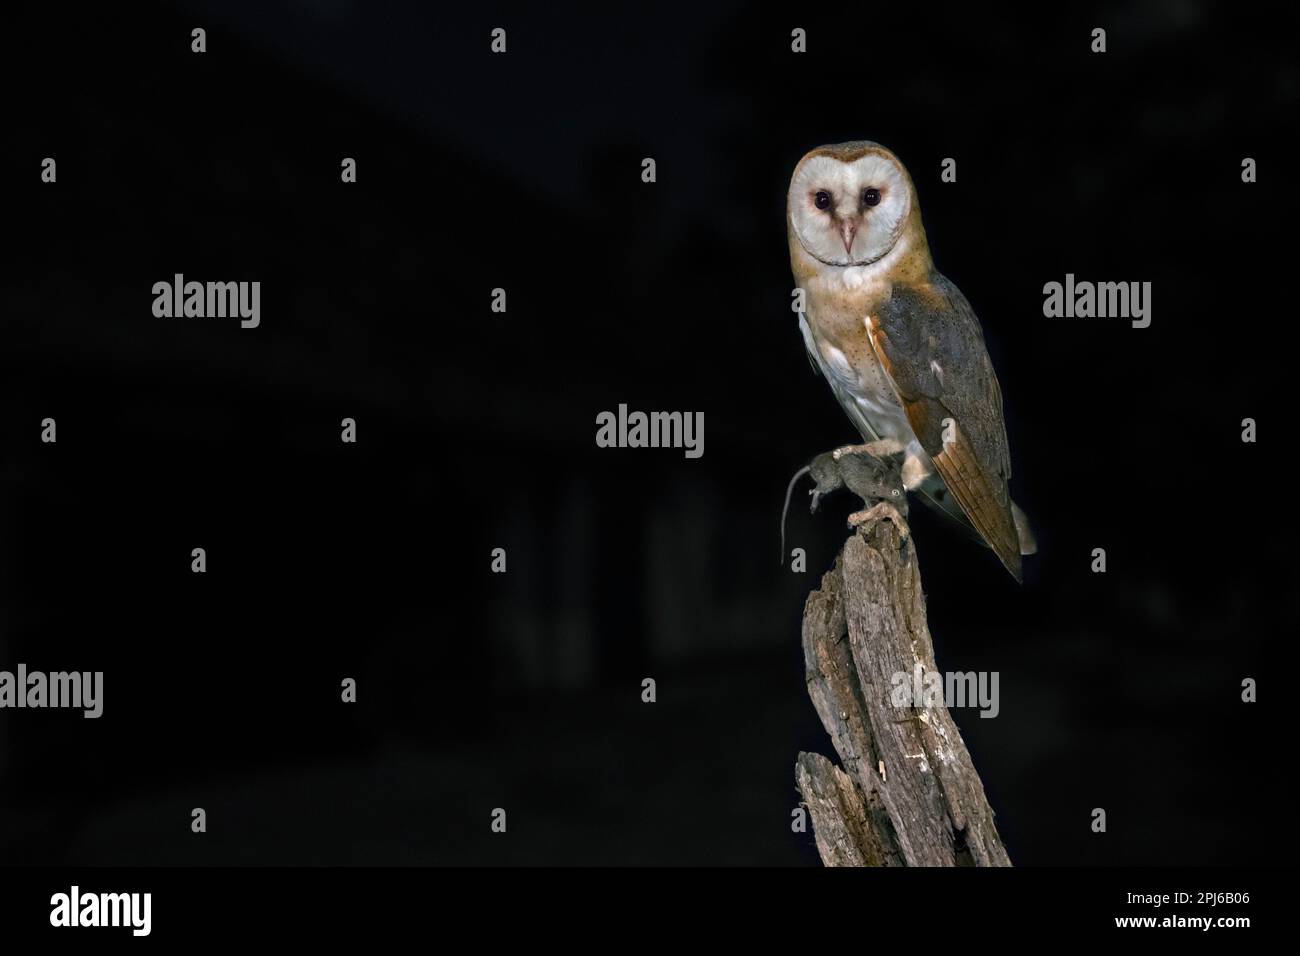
(476, 430)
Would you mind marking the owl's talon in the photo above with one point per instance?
(843, 450)
(881, 509)
(876, 449)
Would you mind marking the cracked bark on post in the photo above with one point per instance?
(864, 625)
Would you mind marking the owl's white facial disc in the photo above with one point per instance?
(849, 214)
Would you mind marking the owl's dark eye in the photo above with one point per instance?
(822, 200)
(870, 196)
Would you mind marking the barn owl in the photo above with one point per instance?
(898, 343)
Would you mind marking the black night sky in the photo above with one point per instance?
(476, 430)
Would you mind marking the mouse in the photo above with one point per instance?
(877, 481)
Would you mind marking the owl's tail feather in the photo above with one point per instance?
(1028, 544)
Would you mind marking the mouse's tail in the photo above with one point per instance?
(789, 490)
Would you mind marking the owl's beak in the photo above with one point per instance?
(847, 231)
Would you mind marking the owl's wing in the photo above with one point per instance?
(932, 349)
(942, 504)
